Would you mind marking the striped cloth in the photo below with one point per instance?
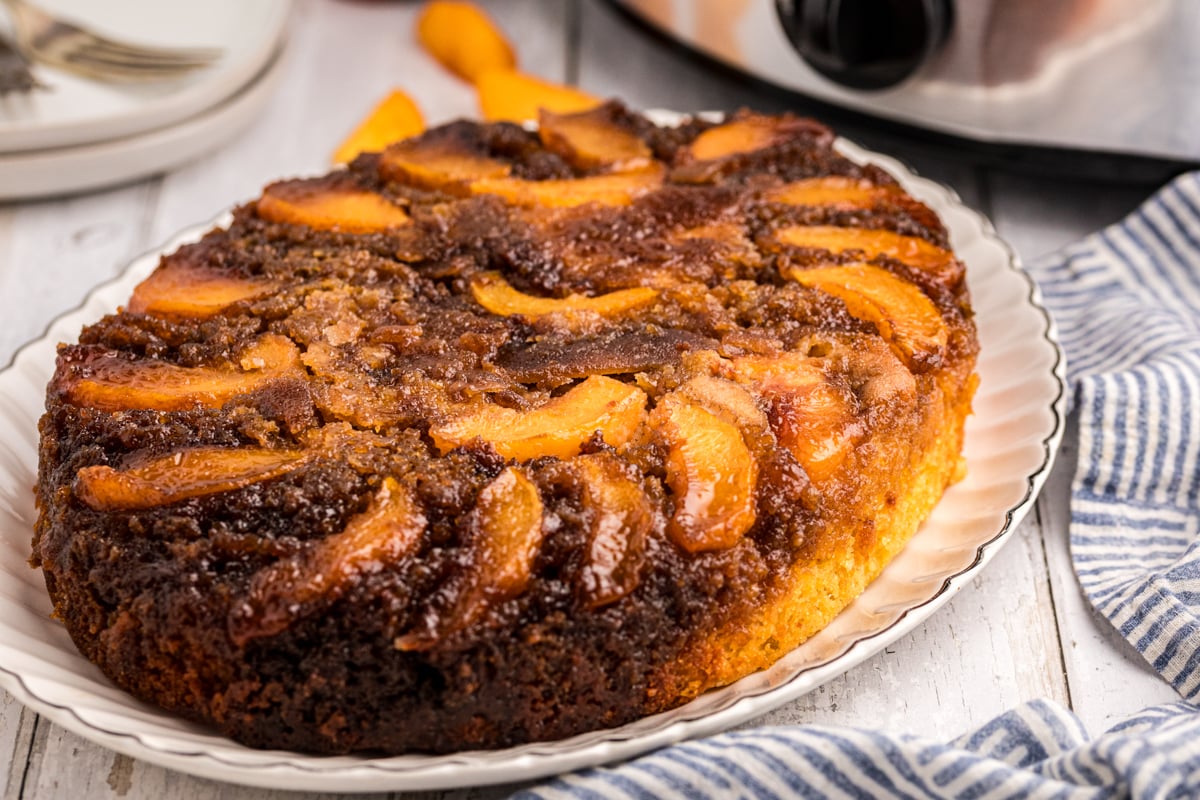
(1127, 300)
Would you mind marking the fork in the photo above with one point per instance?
(49, 40)
(14, 70)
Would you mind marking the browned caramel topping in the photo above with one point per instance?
(387, 532)
(507, 522)
(326, 205)
(591, 139)
(558, 428)
(494, 293)
(555, 363)
(115, 384)
(182, 475)
(711, 473)
(177, 289)
(906, 318)
(911, 250)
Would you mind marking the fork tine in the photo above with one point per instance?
(97, 52)
(188, 55)
(123, 70)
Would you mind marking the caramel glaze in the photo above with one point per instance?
(391, 342)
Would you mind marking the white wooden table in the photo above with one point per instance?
(1019, 631)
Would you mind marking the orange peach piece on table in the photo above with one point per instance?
(508, 95)
(609, 189)
(495, 294)
(711, 473)
(394, 118)
(905, 317)
(558, 428)
(116, 384)
(182, 475)
(591, 139)
(181, 290)
(325, 206)
(463, 39)
(388, 531)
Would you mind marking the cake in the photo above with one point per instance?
(502, 435)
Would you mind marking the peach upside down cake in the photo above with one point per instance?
(502, 435)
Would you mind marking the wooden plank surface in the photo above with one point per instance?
(1020, 630)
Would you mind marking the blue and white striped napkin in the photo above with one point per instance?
(1127, 301)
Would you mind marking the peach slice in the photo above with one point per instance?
(906, 318)
(182, 475)
(744, 134)
(710, 472)
(558, 428)
(463, 39)
(325, 205)
(620, 517)
(591, 139)
(116, 384)
(609, 189)
(732, 403)
(396, 117)
(384, 534)
(439, 161)
(911, 250)
(496, 295)
(812, 418)
(507, 523)
(179, 290)
(832, 190)
(507, 94)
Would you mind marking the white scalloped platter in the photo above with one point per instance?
(1010, 445)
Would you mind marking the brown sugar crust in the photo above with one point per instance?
(500, 436)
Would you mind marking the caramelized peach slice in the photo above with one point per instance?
(710, 472)
(906, 318)
(396, 117)
(506, 94)
(388, 531)
(831, 190)
(813, 418)
(591, 139)
(911, 250)
(496, 295)
(731, 403)
(116, 384)
(439, 162)
(559, 428)
(507, 523)
(744, 134)
(325, 205)
(182, 475)
(619, 518)
(178, 290)
(609, 189)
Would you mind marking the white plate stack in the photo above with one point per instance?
(82, 134)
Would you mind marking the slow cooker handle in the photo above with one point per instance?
(866, 44)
